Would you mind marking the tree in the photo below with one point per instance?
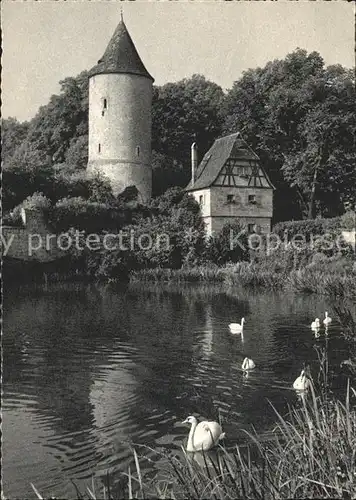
(13, 134)
(26, 171)
(323, 169)
(58, 124)
(76, 156)
(182, 113)
(279, 111)
(56, 135)
(166, 173)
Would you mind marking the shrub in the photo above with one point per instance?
(348, 220)
(86, 215)
(323, 235)
(223, 247)
(168, 235)
(315, 226)
(71, 185)
(37, 200)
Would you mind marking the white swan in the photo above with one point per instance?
(327, 319)
(315, 324)
(248, 364)
(301, 383)
(204, 435)
(237, 327)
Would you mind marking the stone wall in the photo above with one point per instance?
(240, 205)
(217, 210)
(215, 224)
(202, 196)
(32, 242)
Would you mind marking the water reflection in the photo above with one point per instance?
(91, 371)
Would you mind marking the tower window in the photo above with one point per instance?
(201, 199)
(230, 198)
(138, 150)
(99, 148)
(105, 106)
(251, 228)
(252, 199)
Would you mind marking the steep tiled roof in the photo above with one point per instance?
(121, 56)
(230, 146)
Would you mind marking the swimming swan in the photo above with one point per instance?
(301, 383)
(315, 324)
(327, 319)
(248, 364)
(236, 327)
(204, 435)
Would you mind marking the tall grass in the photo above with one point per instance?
(310, 280)
(347, 318)
(212, 274)
(311, 454)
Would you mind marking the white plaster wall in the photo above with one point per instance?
(120, 129)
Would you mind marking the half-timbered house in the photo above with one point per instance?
(231, 185)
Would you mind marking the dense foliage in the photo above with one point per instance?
(300, 118)
(297, 114)
(183, 112)
(317, 226)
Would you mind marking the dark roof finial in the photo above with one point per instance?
(122, 14)
(121, 55)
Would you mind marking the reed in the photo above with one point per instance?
(312, 454)
(213, 274)
(253, 275)
(333, 284)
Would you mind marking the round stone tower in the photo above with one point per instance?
(120, 98)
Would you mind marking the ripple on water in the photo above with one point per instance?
(85, 384)
(14, 401)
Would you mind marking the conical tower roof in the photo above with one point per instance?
(121, 56)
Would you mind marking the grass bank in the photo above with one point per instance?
(338, 283)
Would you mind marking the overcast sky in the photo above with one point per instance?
(44, 42)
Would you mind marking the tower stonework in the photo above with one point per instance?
(120, 100)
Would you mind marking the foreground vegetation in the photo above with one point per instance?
(311, 454)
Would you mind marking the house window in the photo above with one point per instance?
(138, 150)
(230, 198)
(201, 199)
(251, 228)
(99, 148)
(252, 199)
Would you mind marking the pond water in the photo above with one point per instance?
(90, 370)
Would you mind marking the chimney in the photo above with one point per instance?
(194, 159)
